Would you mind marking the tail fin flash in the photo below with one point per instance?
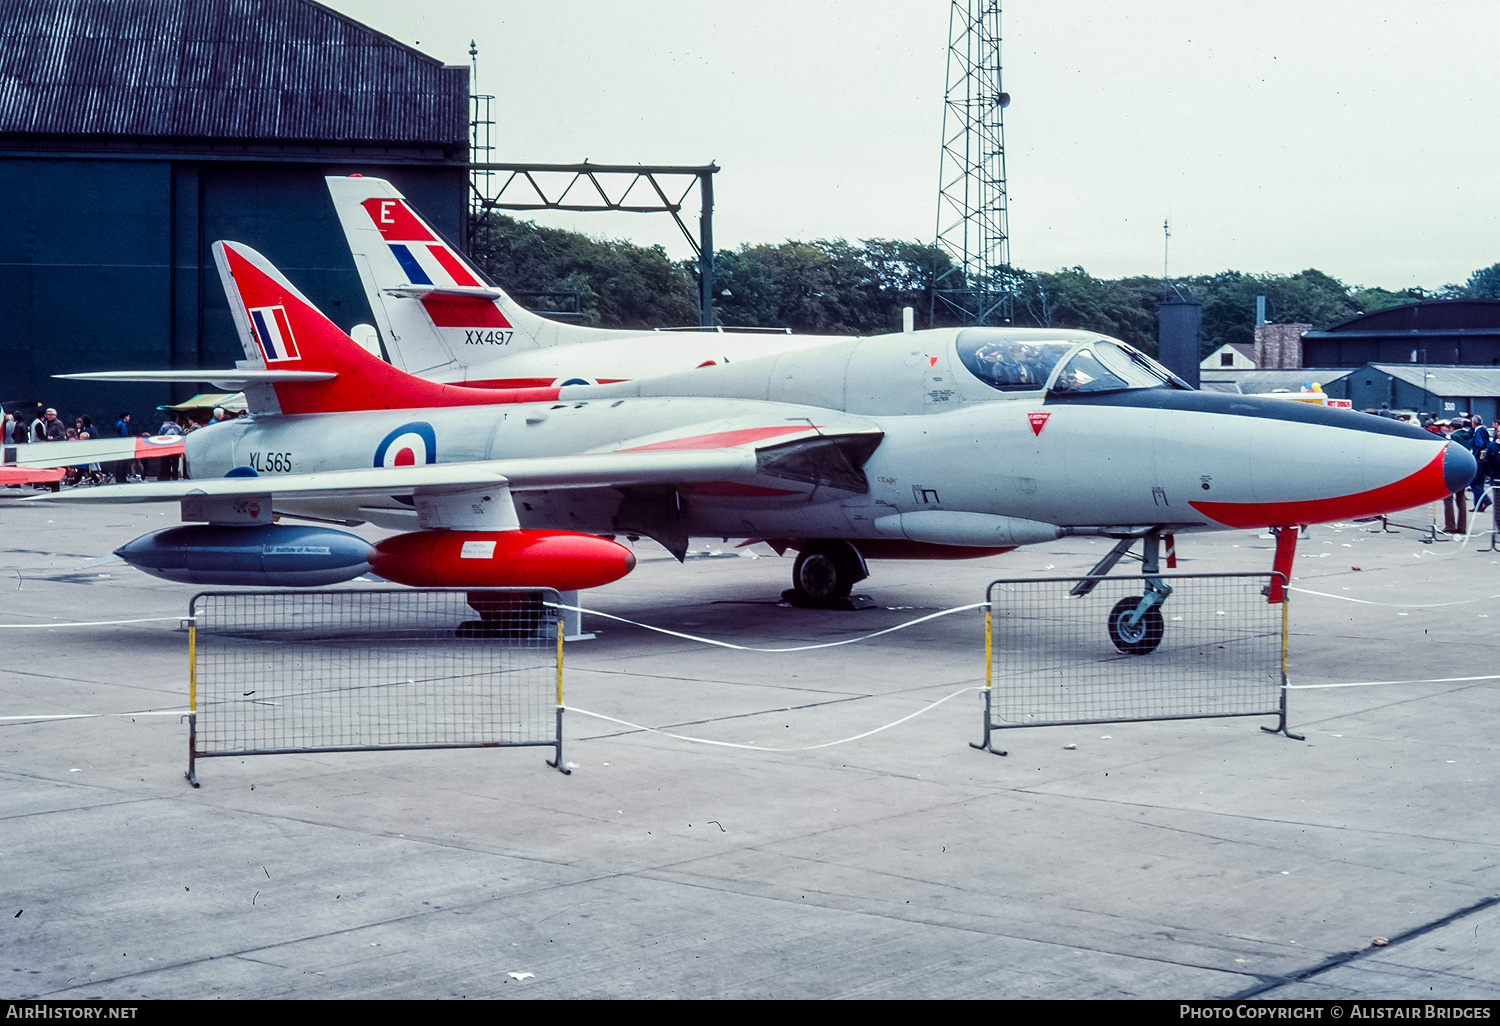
(282, 330)
(437, 315)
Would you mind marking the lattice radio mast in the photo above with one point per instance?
(972, 223)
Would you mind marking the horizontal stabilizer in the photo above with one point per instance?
(452, 291)
(234, 380)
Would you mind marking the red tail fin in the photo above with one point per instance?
(279, 327)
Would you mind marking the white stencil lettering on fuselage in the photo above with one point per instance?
(488, 336)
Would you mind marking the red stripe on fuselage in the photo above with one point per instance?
(527, 382)
(1425, 485)
(720, 439)
(902, 548)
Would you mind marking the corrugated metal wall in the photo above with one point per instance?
(281, 70)
(119, 125)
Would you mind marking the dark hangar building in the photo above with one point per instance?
(1456, 332)
(1436, 356)
(136, 133)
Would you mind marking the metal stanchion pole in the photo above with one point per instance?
(192, 770)
(989, 663)
(1280, 728)
(558, 765)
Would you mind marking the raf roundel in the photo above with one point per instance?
(409, 445)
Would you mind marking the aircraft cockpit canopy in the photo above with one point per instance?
(1009, 364)
(1063, 367)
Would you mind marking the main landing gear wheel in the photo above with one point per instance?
(1139, 638)
(824, 574)
(510, 616)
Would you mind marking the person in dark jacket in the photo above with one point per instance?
(55, 430)
(122, 467)
(1480, 443)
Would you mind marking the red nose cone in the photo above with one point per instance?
(501, 559)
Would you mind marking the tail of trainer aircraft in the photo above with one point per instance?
(435, 311)
(318, 368)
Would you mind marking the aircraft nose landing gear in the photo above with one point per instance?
(1135, 624)
(1139, 637)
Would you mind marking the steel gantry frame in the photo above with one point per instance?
(973, 221)
(631, 188)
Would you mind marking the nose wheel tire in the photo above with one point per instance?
(825, 573)
(1139, 638)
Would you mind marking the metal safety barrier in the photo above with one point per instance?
(357, 670)
(1076, 650)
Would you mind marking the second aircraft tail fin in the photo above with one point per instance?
(437, 314)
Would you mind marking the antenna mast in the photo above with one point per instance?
(1166, 250)
(972, 222)
(481, 147)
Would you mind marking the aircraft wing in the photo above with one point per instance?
(43, 455)
(592, 470)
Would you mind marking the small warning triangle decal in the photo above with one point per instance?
(932, 361)
(1038, 421)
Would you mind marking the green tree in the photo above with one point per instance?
(1307, 297)
(1485, 283)
(1072, 298)
(1368, 300)
(842, 288)
(619, 284)
(826, 286)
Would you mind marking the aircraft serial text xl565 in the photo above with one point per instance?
(933, 444)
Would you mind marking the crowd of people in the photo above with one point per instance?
(35, 424)
(1469, 431)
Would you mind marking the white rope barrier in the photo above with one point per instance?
(763, 748)
(85, 623)
(752, 648)
(791, 648)
(1396, 605)
(1373, 683)
(95, 716)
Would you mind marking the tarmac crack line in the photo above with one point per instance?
(1249, 818)
(282, 817)
(731, 716)
(246, 953)
(988, 934)
(701, 680)
(1347, 957)
(76, 808)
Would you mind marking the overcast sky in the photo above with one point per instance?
(1356, 136)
